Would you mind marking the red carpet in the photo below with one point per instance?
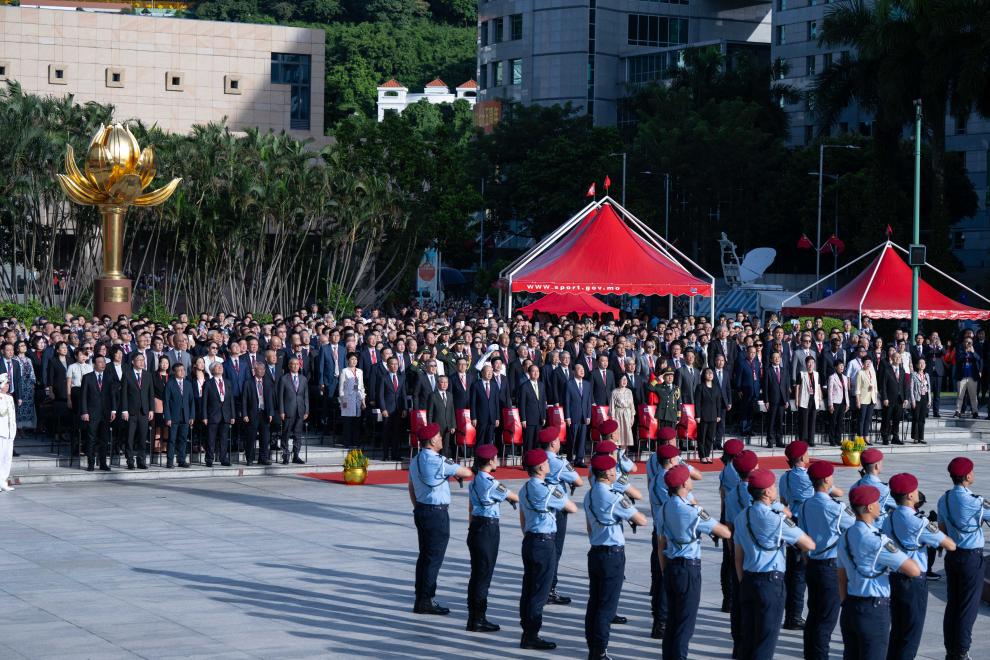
(509, 473)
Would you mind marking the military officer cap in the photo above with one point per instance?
(761, 479)
(549, 434)
(668, 372)
(959, 467)
(733, 447)
(871, 456)
(428, 432)
(667, 452)
(602, 462)
(605, 447)
(796, 450)
(486, 452)
(668, 433)
(864, 495)
(903, 483)
(745, 462)
(676, 476)
(821, 470)
(534, 457)
(608, 427)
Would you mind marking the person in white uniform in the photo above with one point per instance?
(8, 429)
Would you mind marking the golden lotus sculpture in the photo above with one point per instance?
(114, 174)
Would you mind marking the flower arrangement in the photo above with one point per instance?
(857, 444)
(355, 459)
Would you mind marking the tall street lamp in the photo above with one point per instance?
(623, 154)
(821, 178)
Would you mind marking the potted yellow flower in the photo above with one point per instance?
(851, 450)
(355, 468)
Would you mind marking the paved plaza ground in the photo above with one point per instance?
(291, 567)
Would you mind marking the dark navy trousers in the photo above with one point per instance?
(539, 556)
(433, 531)
(865, 624)
(606, 571)
(964, 583)
(761, 606)
(482, 541)
(823, 607)
(682, 581)
(658, 595)
(794, 585)
(908, 601)
(559, 542)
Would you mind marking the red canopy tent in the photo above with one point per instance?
(883, 291)
(605, 249)
(562, 304)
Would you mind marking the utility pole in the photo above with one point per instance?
(915, 267)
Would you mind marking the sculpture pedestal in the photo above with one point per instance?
(112, 297)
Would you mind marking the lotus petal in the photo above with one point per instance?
(99, 137)
(123, 149)
(99, 167)
(156, 197)
(126, 189)
(78, 194)
(72, 170)
(146, 166)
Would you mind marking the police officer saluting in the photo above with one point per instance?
(914, 534)
(866, 557)
(540, 502)
(761, 531)
(872, 464)
(824, 519)
(486, 495)
(563, 475)
(961, 514)
(683, 523)
(429, 491)
(605, 510)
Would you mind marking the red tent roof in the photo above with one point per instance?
(601, 254)
(561, 304)
(888, 295)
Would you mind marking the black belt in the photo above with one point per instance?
(609, 549)
(683, 561)
(825, 562)
(481, 521)
(900, 577)
(764, 574)
(872, 600)
(968, 550)
(541, 537)
(431, 507)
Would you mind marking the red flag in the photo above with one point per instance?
(591, 191)
(608, 183)
(804, 243)
(890, 231)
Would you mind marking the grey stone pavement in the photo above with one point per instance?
(290, 567)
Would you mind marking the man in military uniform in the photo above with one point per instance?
(872, 463)
(429, 492)
(669, 395)
(683, 523)
(539, 503)
(866, 557)
(760, 532)
(605, 510)
(914, 534)
(961, 515)
(561, 474)
(823, 518)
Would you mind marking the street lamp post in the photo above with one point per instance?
(821, 172)
(623, 154)
(917, 217)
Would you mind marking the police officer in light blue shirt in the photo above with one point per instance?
(683, 524)
(564, 475)
(961, 515)
(429, 492)
(761, 532)
(539, 504)
(621, 484)
(486, 495)
(728, 479)
(872, 463)
(736, 500)
(866, 557)
(824, 519)
(913, 533)
(605, 510)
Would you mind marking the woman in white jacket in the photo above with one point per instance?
(352, 397)
(808, 395)
(8, 430)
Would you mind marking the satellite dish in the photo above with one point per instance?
(755, 263)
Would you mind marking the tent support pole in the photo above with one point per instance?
(813, 284)
(546, 242)
(670, 307)
(869, 285)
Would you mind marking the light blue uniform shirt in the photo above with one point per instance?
(605, 511)
(561, 472)
(886, 502)
(428, 473)
(868, 557)
(762, 533)
(728, 479)
(963, 514)
(824, 520)
(912, 533)
(794, 487)
(486, 494)
(625, 464)
(736, 500)
(540, 504)
(657, 488)
(683, 524)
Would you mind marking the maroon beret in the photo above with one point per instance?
(903, 483)
(667, 451)
(428, 432)
(549, 434)
(534, 457)
(667, 433)
(871, 456)
(761, 479)
(733, 446)
(486, 452)
(676, 476)
(605, 447)
(602, 462)
(608, 427)
(821, 470)
(745, 461)
(796, 450)
(960, 466)
(863, 495)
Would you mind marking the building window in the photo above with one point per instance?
(114, 77)
(483, 76)
(653, 67)
(497, 38)
(781, 5)
(826, 60)
(3, 70)
(483, 29)
(812, 30)
(809, 134)
(781, 35)
(499, 73)
(515, 27)
(657, 31)
(174, 81)
(516, 67)
(809, 63)
(294, 70)
(961, 125)
(232, 85)
(58, 74)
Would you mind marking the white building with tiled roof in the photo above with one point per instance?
(393, 96)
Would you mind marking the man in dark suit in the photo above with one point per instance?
(292, 402)
(723, 382)
(332, 358)
(257, 411)
(517, 373)
(688, 377)
(723, 345)
(136, 394)
(391, 401)
(833, 354)
(602, 382)
(558, 381)
(501, 383)
(892, 391)
(635, 381)
(97, 403)
(460, 385)
(485, 407)
(776, 392)
(749, 376)
(369, 357)
(532, 407)
(232, 372)
(440, 411)
(547, 371)
(180, 414)
(577, 414)
(10, 366)
(426, 385)
(219, 413)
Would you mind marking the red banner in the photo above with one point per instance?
(646, 417)
(555, 419)
(417, 420)
(466, 432)
(511, 426)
